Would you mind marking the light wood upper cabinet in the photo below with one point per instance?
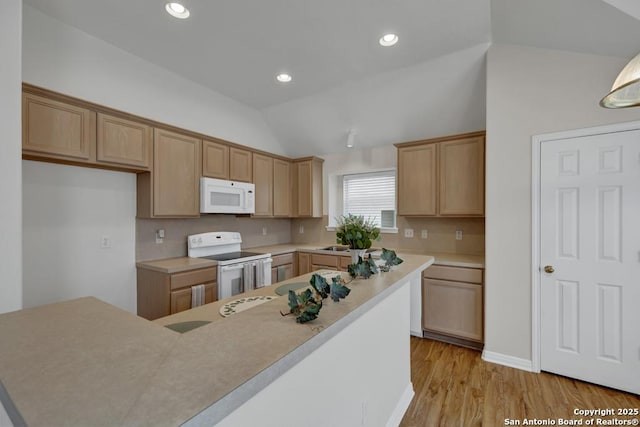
(173, 188)
(442, 176)
(417, 180)
(57, 130)
(263, 180)
(240, 165)
(282, 189)
(462, 176)
(123, 142)
(308, 187)
(215, 159)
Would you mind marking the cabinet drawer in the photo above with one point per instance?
(345, 261)
(282, 259)
(456, 274)
(328, 260)
(181, 299)
(315, 267)
(190, 278)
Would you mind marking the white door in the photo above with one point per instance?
(590, 237)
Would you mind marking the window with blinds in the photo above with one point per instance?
(372, 195)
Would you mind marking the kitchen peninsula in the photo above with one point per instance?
(84, 362)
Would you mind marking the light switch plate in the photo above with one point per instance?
(424, 234)
(459, 235)
(105, 242)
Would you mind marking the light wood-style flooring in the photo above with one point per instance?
(455, 387)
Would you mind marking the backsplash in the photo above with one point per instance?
(176, 231)
(441, 234)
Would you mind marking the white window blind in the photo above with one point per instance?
(372, 195)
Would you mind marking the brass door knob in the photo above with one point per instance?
(549, 269)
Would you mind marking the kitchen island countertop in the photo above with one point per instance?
(85, 362)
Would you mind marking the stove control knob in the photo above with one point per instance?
(199, 240)
(194, 242)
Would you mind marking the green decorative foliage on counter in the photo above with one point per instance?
(363, 268)
(338, 290)
(390, 259)
(306, 305)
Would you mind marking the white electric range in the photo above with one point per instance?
(238, 271)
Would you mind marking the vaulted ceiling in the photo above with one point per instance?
(431, 83)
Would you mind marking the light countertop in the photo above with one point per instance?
(180, 264)
(441, 258)
(85, 362)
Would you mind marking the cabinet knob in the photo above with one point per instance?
(549, 269)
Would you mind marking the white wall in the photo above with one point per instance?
(444, 96)
(529, 91)
(360, 377)
(84, 204)
(67, 60)
(66, 212)
(10, 154)
(351, 161)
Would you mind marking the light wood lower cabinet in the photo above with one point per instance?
(181, 299)
(328, 262)
(304, 263)
(283, 267)
(57, 130)
(452, 302)
(161, 294)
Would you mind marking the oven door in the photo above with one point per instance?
(234, 279)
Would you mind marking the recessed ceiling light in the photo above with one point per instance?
(284, 78)
(177, 10)
(388, 40)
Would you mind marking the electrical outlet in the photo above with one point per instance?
(424, 234)
(301, 229)
(264, 231)
(105, 242)
(459, 235)
(408, 233)
(159, 236)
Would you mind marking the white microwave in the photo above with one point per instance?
(222, 196)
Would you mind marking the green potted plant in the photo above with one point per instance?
(356, 232)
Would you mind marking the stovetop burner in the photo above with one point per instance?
(231, 256)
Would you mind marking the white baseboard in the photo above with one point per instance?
(506, 360)
(417, 333)
(402, 406)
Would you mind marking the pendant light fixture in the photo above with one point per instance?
(626, 89)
